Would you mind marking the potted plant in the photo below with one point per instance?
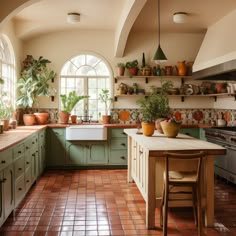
(68, 103)
(33, 82)
(104, 97)
(132, 67)
(153, 107)
(121, 68)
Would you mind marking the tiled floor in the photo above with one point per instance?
(101, 202)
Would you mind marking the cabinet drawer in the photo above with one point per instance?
(28, 158)
(18, 151)
(118, 157)
(118, 143)
(118, 133)
(19, 190)
(19, 167)
(6, 158)
(31, 143)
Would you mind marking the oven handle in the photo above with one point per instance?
(229, 147)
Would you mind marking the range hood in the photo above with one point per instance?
(224, 71)
(216, 59)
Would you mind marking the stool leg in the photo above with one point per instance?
(194, 200)
(165, 214)
(199, 213)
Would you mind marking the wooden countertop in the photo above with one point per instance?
(159, 143)
(14, 136)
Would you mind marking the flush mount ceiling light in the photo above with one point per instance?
(159, 55)
(73, 17)
(180, 17)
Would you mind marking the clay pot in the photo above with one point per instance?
(158, 125)
(182, 68)
(73, 119)
(41, 117)
(106, 119)
(133, 71)
(29, 119)
(121, 71)
(5, 123)
(64, 117)
(148, 128)
(170, 129)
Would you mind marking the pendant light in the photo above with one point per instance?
(159, 55)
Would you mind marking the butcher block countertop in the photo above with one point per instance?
(159, 143)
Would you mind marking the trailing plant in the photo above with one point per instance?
(69, 101)
(34, 80)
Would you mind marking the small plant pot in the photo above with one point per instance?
(170, 129)
(64, 117)
(133, 71)
(41, 118)
(148, 128)
(121, 71)
(73, 119)
(29, 119)
(106, 119)
(5, 123)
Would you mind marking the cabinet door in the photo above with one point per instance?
(42, 152)
(19, 167)
(193, 132)
(76, 153)
(1, 198)
(118, 157)
(97, 153)
(8, 189)
(56, 147)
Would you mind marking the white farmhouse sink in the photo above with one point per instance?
(86, 132)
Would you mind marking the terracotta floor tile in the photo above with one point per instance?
(102, 203)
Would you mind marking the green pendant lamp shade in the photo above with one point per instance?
(159, 55)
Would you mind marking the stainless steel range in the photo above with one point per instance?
(225, 165)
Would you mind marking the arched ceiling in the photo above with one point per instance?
(35, 17)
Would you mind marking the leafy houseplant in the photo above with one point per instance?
(68, 103)
(34, 81)
(155, 106)
(132, 67)
(107, 100)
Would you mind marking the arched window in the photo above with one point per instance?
(87, 75)
(7, 68)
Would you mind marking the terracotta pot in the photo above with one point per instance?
(63, 117)
(158, 125)
(73, 119)
(182, 68)
(5, 123)
(121, 71)
(170, 129)
(133, 71)
(29, 119)
(106, 119)
(41, 118)
(148, 128)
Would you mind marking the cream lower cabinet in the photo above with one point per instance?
(139, 167)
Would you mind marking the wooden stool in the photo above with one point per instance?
(176, 181)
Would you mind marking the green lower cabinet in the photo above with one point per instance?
(97, 153)
(118, 157)
(89, 153)
(193, 132)
(42, 151)
(202, 134)
(56, 147)
(76, 154)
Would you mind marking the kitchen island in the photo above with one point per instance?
(146, 166)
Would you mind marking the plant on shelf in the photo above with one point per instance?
(6, 107)
(107, 100)
(34, 82)
(68, 102)
(154, 107)
(132, 67)
(121, 68)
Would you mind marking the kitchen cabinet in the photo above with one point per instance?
(6, 184)
(117, 146)
(80, 153)
(42, 151)
(56, 147)
(193, 132)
